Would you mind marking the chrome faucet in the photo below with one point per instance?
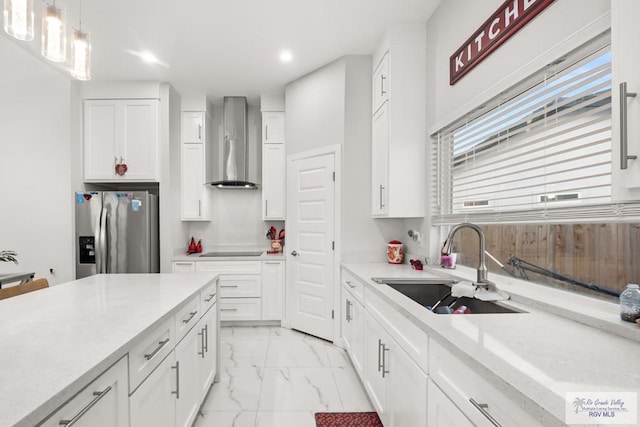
(482, 267)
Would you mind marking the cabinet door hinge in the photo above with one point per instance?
(332, 313)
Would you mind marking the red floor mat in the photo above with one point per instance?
(347, 419)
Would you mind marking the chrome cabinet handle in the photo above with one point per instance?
(206, 339)
(199, 132)
(183, 263)
(351, 285)
(382, 79)
(98, 395)
(266, 132)
(624, 156)
(199, 207)
(210, 298)
(266, 207)
(161, 344)
(229, 309)
(482, 407)
(294, 253)
(201, 335)
(349, 317)
(381, 204)
(228, 286)
(379, 357)
(177, 390)
(384, 360)
(191, 315)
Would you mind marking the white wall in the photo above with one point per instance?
(560, 28)
(35, 165)
(332, 106)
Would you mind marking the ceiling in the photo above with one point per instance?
(231, 47)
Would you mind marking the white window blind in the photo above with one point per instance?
(544, 152)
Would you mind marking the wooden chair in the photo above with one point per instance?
(23, 288)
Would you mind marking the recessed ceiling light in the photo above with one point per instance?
(286, 56)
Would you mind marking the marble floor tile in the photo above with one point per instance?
(243, 352)
(238, 390)
(299, 389)
(286, 419)
(337, 356)
(226, 419)
(352, 394)
(301, 353)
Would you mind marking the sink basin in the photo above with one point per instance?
(428, 293)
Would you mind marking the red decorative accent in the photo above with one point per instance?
(504, 23)
(348, 419)
(121, 168)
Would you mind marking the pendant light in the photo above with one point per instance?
(18, 19)
(54, 33)
(81, 53)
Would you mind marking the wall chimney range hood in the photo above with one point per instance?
(231, 169)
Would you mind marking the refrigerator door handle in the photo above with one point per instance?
(96, 243)
(103, 241)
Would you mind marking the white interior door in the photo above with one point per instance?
(310, 244)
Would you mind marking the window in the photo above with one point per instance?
(533, 167)
(540, 151)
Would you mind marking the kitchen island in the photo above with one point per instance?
(57, 340)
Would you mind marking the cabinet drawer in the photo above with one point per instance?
(411, 338)
(104, 402)
(229, 267)
(355, 286)
(183, 267)
(186, 317)
(461, 384)
(208, 297)
(148, 353)
(240, 286)
(240, 308)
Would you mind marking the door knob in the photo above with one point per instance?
(294, 253)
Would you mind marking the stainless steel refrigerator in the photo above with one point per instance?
(116, 232)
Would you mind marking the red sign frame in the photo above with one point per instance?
(510, 17)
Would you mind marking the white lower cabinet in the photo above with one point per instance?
(353, 328)
(476, 398)
(172, 394)
(272, 290)
(441, 412)
(153, 403)
(103, 403)
(396, 385)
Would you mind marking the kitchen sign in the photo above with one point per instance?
(505, 22)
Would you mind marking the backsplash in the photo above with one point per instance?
(606, 255)
(236, 221)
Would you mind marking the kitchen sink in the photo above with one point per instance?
(431, 291)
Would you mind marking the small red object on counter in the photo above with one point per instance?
(416, 264)
(192, 247)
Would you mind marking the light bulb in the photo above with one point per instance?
(18, 19)
(54, 34)
(81, 66)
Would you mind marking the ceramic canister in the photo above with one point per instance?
(395, 252)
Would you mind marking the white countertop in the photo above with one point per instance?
(533, 358)
(57, 339)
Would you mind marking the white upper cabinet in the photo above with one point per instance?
(626, 70)
(195, 170)
(121, 140)
(398, 124)
(273, 158)
(273, 130)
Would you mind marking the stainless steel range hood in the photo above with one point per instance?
(231, 171)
